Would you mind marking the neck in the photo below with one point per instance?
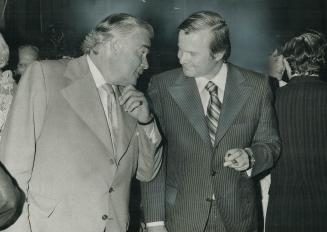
(214, 71)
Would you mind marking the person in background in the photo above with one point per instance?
(220, 128)
(83, 131)
(7, 84)
(277, 78)
(10, 195)
(27, 54)
(297, 195)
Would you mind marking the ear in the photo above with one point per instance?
(288, 68)
(218, 56)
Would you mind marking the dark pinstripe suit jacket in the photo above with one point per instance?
(193, 169)
(298, 191)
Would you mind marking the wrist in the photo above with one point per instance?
(147, 122)
(251, 157)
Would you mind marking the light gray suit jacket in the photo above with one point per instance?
(57, 145)
(193, 168)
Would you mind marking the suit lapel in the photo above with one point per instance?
(236, 94)
(186, 95)
(126, 128)
(82, 95)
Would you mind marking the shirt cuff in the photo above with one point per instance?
(151, 132)
(153, 224)
(250, 153)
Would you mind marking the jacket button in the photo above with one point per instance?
(104, 217)
(213, 173)
(111, 189)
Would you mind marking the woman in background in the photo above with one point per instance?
(298, 191)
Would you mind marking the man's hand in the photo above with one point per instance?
(156, 229)
(276, 66)
(238, 159)
(135, 103)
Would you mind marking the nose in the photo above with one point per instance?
(145, 63)
(182, 56)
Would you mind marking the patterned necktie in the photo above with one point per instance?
(213, 110)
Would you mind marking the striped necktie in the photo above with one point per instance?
(213, 110)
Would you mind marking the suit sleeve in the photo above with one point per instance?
(150, 153)
(266, 143)
(153, 192)
(23, 127)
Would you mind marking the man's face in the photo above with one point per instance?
(194, 54)
(130, 57)
(24, 60)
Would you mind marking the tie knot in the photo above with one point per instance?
(211, 87)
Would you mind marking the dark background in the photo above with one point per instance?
(256, 28)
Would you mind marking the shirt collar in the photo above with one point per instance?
(219, 79)
(96, 74)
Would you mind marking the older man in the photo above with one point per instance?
(79, 130)
(218, 121)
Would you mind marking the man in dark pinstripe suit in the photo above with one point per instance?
(205, 182)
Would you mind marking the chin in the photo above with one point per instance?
(188, 73)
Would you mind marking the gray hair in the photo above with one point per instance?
(214, 22)
(121, 23)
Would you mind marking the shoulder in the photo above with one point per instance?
(251, 78)
(53, 66)
(166, 78)
(248, 74)
(40, 73)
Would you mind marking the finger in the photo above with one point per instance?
(134, 105)
(133, 102)
(243, 168)
(128, 88)
(232, 155)
(129, 94)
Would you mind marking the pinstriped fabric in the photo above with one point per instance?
(299, 179)
(213, 112)
(178, 194)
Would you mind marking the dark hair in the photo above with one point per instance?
(218, 30)
(120, 23)
(306, 53)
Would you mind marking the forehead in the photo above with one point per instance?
(194, 40)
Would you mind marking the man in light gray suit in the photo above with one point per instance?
(78, 131)
(220, 131)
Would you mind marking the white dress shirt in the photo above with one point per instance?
(219, 80)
